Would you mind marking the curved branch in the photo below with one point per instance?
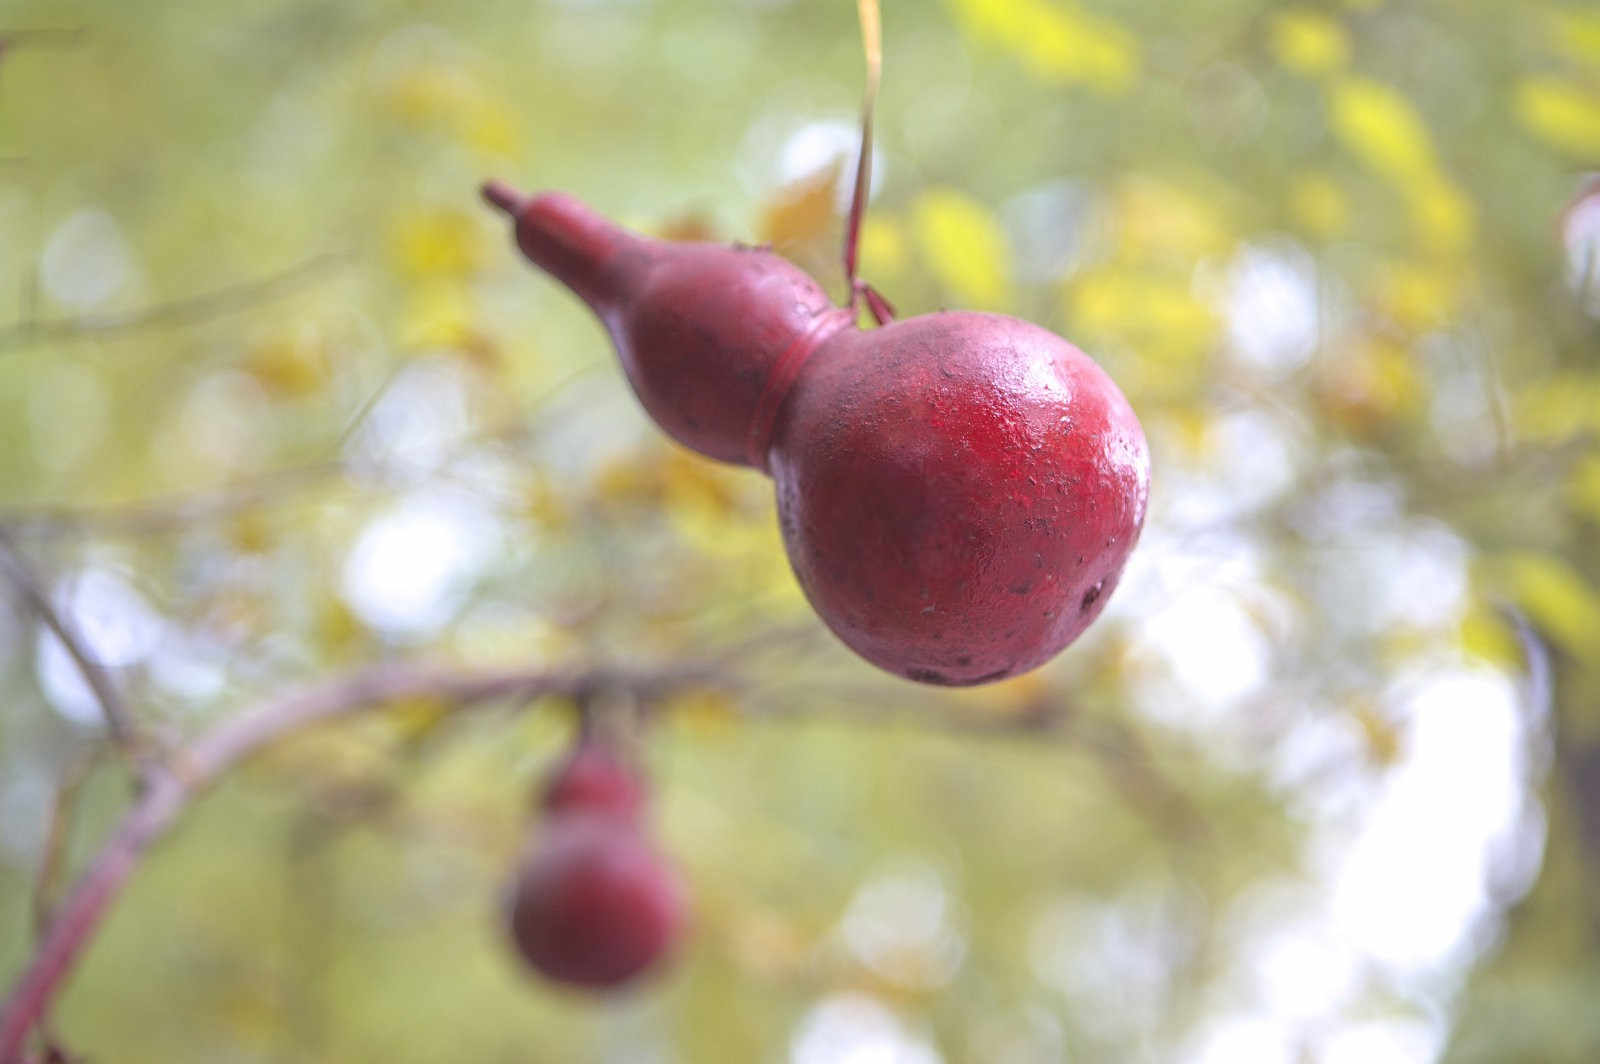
(170, 787)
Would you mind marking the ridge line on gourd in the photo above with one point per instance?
(958, 492)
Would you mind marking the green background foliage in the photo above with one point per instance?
(1293, 798)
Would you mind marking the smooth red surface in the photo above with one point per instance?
(594, 905)
(594, 779)
(698, 327)
(958, 491)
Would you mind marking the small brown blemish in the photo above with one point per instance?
(1091, 596)
(1022, 588)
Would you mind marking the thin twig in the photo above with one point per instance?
(172, 787)
(183, 510)
(168, 513)
(189, 310)
(1047, 719)
(52, 864)
(872, 45)
(119, 722)
(47, 884)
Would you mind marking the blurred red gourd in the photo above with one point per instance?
(593, 904)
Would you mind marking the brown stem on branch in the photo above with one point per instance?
(171, 786)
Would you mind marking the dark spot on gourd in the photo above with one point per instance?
(1091, 596)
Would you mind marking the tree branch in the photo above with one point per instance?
(166, 513)
(119, 722)
(174, 784)
(186, 311)
(54, 855)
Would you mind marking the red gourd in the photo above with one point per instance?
(593, 904)
(958, 492)
(594, 779)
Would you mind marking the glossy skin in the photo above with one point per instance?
(594, 905)
(958, 492)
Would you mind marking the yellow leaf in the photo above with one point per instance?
(1162, 222)
(1057, 43)
(1383, 130)
(1561, 602)
(1483, 634)
(337, 630)
(965, 247)
(438, 314)
(491, 128)
(707, 712)
(413, 718)
(1154, 314)
(883, 246)
(543, 504)
(804, 210)
(451, 101)
(1371, 384)
(1443, 215)
(1016, 696)
(630, 480)
(1418, 297)
(250, 531)
(689, 226)
(1380, 734)
(1558, 408)
(689, 482)
(427, 243)
(1309, 42)
(1576, 33)
(1583, 487)
(1564, 115)
(291, 366)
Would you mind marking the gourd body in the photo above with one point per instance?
(958, 492)
(593, 904)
